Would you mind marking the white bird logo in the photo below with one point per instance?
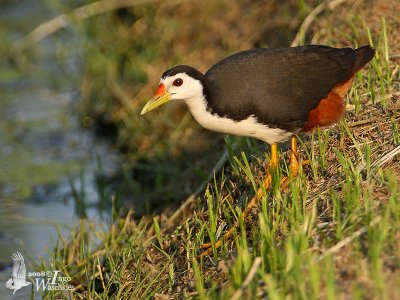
(18, 277)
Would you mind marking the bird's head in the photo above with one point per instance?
(179, 83)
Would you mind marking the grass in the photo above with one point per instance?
(124, 54)
(334, 234)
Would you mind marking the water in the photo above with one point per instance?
(43, 149)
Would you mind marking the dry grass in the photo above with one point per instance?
(334, 234)
(165, 150)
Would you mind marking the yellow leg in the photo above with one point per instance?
(294, 163)
(294, 170)
(250, 206)
(274, 156)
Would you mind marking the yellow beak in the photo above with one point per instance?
(160, 97)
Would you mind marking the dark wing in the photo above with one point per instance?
(278, 86)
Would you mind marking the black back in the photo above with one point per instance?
(278, 86)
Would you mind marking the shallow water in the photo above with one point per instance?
(43, 148)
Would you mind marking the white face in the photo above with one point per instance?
(182, 87)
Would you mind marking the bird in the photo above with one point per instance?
(270, 94)
(18, 277)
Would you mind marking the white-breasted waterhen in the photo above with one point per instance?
(268, 94)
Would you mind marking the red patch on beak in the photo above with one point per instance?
(160, 90)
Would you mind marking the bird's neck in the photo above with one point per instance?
(202, 112)
(198, 108)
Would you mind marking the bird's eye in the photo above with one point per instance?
(177, 82)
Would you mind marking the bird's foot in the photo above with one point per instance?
(294, 170)
(218, 244)
(284, 183)
(250, 206)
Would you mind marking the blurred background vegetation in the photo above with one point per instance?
(108, 59)
(117, 58)
(71, 94)
(167, 154)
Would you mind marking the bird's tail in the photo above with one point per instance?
(363, 55)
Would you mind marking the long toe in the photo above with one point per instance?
(250, 206)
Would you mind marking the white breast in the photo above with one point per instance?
(249, 127)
